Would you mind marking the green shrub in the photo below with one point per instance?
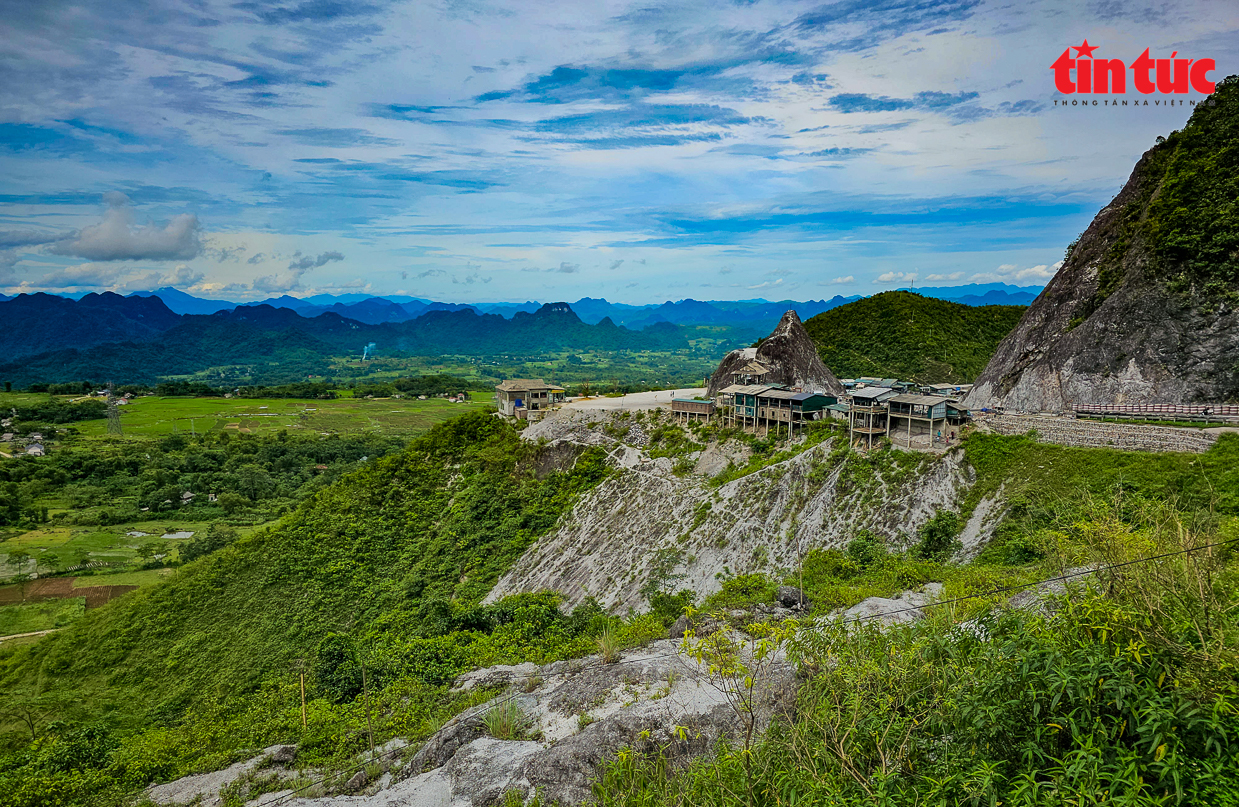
(938, 537)
(866, 549)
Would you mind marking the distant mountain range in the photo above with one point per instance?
(139, 339)
(147, 336)
(759, 313)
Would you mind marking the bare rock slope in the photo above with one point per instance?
(790, 355)
(1146, 305)
(646, 516)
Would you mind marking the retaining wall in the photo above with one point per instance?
(1091, 434)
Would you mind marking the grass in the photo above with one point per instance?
(506, 721)
(36, 616)
(154, 416)
(74, 546)
(609, 646)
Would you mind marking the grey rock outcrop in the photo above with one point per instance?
(792, 597)
(583, 712)
(761, 522)
(790, 356)
(1111, 328)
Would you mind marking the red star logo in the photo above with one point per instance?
(1084, 50)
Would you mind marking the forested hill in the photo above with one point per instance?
(899, 334)
(37, 323)
(1149, 293)
(295, 345)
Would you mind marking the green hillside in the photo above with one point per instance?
(183, 675)
(898, 334)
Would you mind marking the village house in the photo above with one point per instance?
(35, 450)
(518, 397)
(761, 406)
(868, 412)
(686, 409)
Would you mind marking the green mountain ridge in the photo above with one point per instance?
(899, 334)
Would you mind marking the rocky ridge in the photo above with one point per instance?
(789, 354)
(1133, 315)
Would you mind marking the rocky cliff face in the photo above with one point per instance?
(645, 515)
(790, 355)
(1145, 308)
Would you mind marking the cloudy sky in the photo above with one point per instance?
(470, 150)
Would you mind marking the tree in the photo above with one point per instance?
(938, 536)
(742, 667)
(233, 503)
(216, 536)
(27, 707)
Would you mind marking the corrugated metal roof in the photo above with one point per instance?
(733, 388)
(921, 400)
(513, 384)
(871, 392)
(780, 394)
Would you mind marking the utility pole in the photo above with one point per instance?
(304, 723)
(365, 686)
(114, 426)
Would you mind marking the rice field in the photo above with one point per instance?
(151, 416)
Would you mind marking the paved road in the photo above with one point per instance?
(637, 400)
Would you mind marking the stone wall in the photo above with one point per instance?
(1091, 434)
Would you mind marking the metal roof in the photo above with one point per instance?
(871, 392)
(804, 396)
(524, 384)
(755, 389)
(691, 400)
(921, 400)
(781, 394)
(753, 368)
(733, 388)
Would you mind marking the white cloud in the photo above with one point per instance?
(84, 275)
(766, 284)
(896, 277)
(838, 281)
(1010, 273)
(951, 276)
(119, 238)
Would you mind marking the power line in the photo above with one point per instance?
(644, 659)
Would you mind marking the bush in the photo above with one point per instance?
(216, 536)
(742, 591)
(866, 549)
(938, 536)
(336, 669)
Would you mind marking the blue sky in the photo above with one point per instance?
(485, 151)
